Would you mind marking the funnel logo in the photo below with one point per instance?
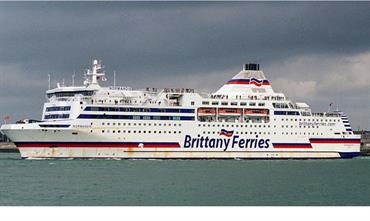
(256, 82)
(226, 133)
(253, 81)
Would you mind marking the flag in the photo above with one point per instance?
(226, 133)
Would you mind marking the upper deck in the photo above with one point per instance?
(249, 93)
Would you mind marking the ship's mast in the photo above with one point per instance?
(94, 75)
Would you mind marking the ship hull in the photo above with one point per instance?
(39, 153)
(189, 142)
(134, 151)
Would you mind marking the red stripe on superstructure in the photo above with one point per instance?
(95, 145)
(237, 83)
(292, 145)
(334, 141)
(265, 82)
(242, 81)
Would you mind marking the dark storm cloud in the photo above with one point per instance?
(181, 42)
(183, 34)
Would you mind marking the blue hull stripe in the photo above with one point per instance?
(349, 154)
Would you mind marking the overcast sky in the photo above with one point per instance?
(315, 52)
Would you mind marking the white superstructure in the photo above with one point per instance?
(245, 118)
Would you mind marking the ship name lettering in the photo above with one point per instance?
(225, 143)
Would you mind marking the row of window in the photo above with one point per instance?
(280, 105)
(59, 108)
(70, 93)
(309, 119)
(286, 113)
(138, 124)
(264, 125)
(134, 117)
(140, 131)
(139, 109)
(204, 132)
(232, 125)
(54, 125)
(266, 133)
(233, 103)
(260, 125)
(56, 116)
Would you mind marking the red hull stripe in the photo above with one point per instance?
(292, 145)
(97, 145)
(335, 141)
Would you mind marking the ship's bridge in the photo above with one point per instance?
(70, 92)
(251, 80)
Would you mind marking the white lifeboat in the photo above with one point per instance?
(229, 112)
(206, 111)
(256, 112)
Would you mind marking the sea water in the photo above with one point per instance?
(183, 182)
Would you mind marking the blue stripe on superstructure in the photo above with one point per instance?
(140, 109)
(54, 125)
(134, 117)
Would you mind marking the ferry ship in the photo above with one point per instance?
(244, 119)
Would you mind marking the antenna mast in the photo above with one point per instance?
(114, 79)
(49, 81)
(73, 78)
